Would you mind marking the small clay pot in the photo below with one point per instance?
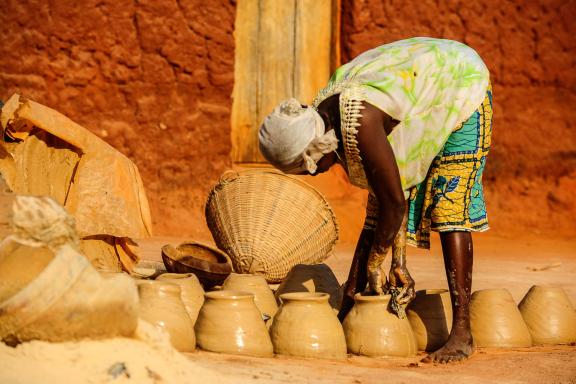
(209, 264)
(549, 315)
(230, 322)
(430, 315)
(496, 321)
(192, 294)
(372, 329)
(306, 326)
(257, 285)
(161, 305)
(312, 278)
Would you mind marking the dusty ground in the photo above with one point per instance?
(515, 264)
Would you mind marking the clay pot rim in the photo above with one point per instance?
(161, 285)
(174, 275)
(360, 297)
(259, 278)
(305, 296)
(546, 287)
(433, 291)
(491, 292)
(229, 295)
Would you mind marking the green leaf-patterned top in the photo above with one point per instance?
(429, 85)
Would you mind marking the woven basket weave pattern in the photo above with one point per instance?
(267, 222)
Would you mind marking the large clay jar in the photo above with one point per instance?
(257, 285)
(496, 321)
(550, 317)
(430, 315)
(312, 278)
(371, 329)
(230, 322)
(306, 326)
(161, 305)
(192, 293)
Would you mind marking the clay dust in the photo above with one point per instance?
(147, 358)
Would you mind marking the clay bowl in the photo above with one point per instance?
(209, 264)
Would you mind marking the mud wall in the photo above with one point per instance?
(154, 79)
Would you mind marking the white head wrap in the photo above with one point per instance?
(293, 138)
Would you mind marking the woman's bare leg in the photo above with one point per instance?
(458, 258)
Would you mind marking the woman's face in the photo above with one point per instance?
(325, 163)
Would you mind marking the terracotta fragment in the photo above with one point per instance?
(496, 321)
(230, 322)
(371, 329)
(306, 326)
(161, 305)
(549, 315)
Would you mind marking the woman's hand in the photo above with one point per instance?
(400, 280)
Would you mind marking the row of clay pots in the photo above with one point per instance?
(231, 320)
(544, 316)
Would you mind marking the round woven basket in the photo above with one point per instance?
(268, 222)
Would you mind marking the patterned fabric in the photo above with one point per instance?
(429, 85)
(451, 197)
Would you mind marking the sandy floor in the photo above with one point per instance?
(499, 262)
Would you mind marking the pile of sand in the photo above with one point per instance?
(148, 358)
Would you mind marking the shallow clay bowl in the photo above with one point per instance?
(209, 264)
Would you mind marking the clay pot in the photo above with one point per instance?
(371, 329)
(161, 305)
(312, 278)
(230, 322)
(496, 321)
(191, 291)
(306, 326)
(257, 285)
(430, 315)
(549, 315)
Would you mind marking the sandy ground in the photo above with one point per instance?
(514, 264)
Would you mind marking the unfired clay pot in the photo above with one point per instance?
(550, 317)
(161, 305)
(257, 285)
(371, 329)
(192, 293)
(306, 326)
(312, 278)
(430, 315)
(496, 321)
(230, 322)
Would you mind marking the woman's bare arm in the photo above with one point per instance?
(384, 178)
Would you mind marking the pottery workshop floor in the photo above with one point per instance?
(499, 263)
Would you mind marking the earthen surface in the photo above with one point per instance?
(154, 79)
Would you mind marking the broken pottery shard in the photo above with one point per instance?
(98, 185)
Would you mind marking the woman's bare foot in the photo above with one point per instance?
(459, 346)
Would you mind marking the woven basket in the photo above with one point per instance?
(268, 222)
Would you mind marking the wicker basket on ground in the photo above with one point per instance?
(268, 222)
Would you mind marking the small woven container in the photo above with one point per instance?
(268, 222)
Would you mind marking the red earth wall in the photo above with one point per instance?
(154, 79)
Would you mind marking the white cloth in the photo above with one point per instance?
(293, 138)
